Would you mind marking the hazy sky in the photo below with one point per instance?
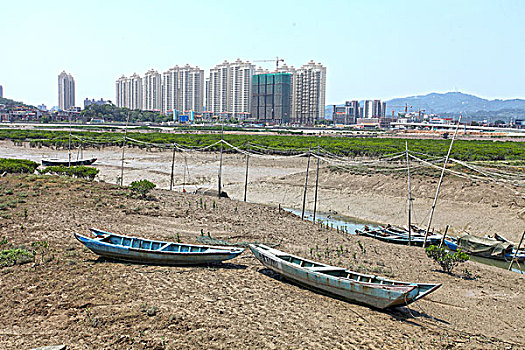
(372, 49)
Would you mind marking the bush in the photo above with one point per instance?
(14, 256)
(446, 260)
(142, 187)
(17, 166)
(81, 172)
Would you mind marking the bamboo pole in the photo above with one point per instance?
(440, 181)
(220, 166)
(172, 167)
(516, 252)
(409, 198)
(443, 237)
(306, 180)
(246, 178)
(123, 148)
(316, 183)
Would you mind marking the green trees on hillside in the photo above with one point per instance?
(112, 113)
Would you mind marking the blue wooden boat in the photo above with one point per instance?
(374, 291)
(147, 251)
(399, 237)
(490, 248)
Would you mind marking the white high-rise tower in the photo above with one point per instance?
(66, 91)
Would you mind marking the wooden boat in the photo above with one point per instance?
(491, 248)
(374, 291)
(141, 250)
(66, 162)
(397, 237)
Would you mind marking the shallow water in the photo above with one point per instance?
(349, 225)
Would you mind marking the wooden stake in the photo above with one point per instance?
(443, 237)
(409, 198)
(172, 168)
(516, 252)
(246, 178)
(316, 183)
(306, 180)
(439, 183)
(123, 148)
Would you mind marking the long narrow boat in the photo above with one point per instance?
(374, 291)
(396, 237)
(147, 251)
(66, 162)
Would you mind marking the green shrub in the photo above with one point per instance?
(142, 187)
(17, 166)
(446, 260)
(81, 172)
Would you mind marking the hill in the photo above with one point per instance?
(455, 103)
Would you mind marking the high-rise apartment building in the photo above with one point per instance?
(271, 98)
(129, 92)
(229, 87)
(66, 91)
(183, 89)
(241, 87)
(1, 91)
(152, 91)
(217, 90)
(308, 92)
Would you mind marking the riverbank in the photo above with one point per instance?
(478, 207)
(85, 302)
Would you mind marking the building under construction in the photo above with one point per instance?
(271, 98)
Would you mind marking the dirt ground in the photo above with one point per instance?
(473, 206)
(77, 299)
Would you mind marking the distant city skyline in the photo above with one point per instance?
(372, 50)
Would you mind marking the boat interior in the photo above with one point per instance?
(140, 243)
(336, 271)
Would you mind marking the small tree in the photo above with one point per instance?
(142, 188)
(446, 260)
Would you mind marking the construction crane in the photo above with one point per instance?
(406, 107)
(276, 60)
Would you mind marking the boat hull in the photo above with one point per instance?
(398, 238)
(376, 295)
(137, 254)
(66, 162)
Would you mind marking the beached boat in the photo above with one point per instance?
(491, 248)
(67, 162)
(147, 251)
(374, 291)
(397, 237)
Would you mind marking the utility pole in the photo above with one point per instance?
(246, 179)
(172, 167)
(220, 164)
(306, 180)
(123, 148)
(69, 147)
(409, 199)
(316, 183)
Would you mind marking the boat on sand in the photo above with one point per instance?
(370, 290)
(147, 251)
